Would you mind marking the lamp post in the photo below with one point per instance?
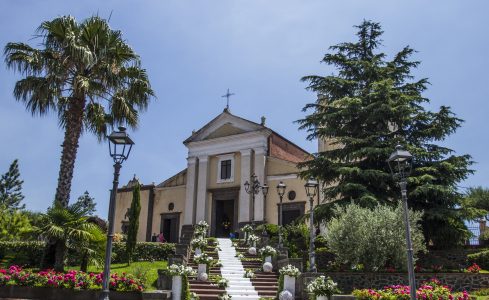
(311, 189)
(281, 192)
(400, 165)
(252, 189)
(119, 148)
(264, 190)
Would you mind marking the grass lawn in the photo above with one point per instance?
(146, 270)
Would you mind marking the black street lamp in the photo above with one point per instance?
(311, 189)
(281, 187)
(264, 190)
(253, 189)
(120, 145)
(400, 165)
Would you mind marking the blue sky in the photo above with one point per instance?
(195, 50)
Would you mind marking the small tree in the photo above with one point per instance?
(88, 202)
(11, 188)
(374, 238)
(132, 231)
(14, 225)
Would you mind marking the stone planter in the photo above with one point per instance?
(202, 268)
(268, 259)
(289, 284)
(176, 289)
(254, 244)
(321, 297)
(198, 251)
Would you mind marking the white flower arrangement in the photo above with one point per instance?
(267, 251)
(240, 256)
(249, 274)
(223, 283)
(199, 243)
(290, 270)
(203, 259)
(194, 296)
(253, 238)
(322, 286)
(202, 224)
(247, 228)
(225, 296)
(180, 270)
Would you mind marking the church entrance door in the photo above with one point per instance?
(224, 218)
(169, 226)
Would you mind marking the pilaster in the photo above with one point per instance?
(244, 198)
(259, 170)
(201, 207)
(188, 218)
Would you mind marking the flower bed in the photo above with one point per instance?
(432, 289)
(16, 276)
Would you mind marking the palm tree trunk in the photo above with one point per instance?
(73, 129)
(59, 260)
(84, 262)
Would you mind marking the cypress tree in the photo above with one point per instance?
(132, 230)
(363, 110)
(11, 188)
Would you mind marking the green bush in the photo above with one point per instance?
(374, 238)
(480, 258)
(144, 251)
(27, 254)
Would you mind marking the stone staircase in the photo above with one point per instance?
(205, 289)
(264, 285)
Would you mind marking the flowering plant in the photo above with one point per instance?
(240, 256)
(290, 270)
(322, 286)
(202, 224)
(72, 279)
(432, 289)
(180, 270)
(203, 259)
(223, 283)
(199, 243)
(253, 238)
(267, 251)
(474, 268)
(224, 296)
(249, 274)
(247, 228)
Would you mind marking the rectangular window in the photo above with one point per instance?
(225, 169)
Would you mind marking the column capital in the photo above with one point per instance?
(203, 158)
(245, 152)
(260, 151)
(191, 159)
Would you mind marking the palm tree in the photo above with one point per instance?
(67, 227)
(88, 75)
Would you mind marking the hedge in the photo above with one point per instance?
(30, 253)
(480, 258)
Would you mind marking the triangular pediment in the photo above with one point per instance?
(225, 124)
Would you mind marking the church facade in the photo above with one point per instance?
(222, 156)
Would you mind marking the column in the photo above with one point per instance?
(188, 218)
(244, 198)
(201, 207)
(260, 156)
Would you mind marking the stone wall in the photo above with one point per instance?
(347, 281)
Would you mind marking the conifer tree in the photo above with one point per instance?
(132, 230)
(363, 111)
(11, 188)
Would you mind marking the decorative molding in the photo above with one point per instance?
(282, 177)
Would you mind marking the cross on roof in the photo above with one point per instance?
(227, 98)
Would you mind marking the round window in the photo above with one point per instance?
(171, 206)
(291, 195)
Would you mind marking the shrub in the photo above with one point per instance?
(27, 254)
(373, 238)
(480, 258)
(144, 251)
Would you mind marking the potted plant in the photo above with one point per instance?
(199, 244)
(253, 239)
(177, 272)
(267, 252)
(289, 274)
(203, 261)
(247, 230)
(322, 288)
